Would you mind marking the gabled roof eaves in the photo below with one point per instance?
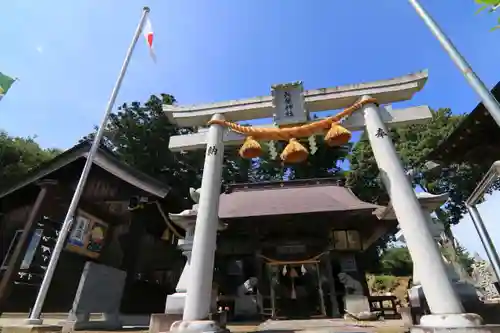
(104, 159)
(475, 128)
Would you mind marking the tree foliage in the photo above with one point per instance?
(324, 163)
(464, 258)
(19, 155)
(413, 143)
(396, 261)
(492, 6)
(139, 135)
(459, 255)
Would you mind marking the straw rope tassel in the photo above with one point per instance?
(251, 148)
(337, 135)
(294, 152)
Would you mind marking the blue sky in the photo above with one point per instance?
(67, 54)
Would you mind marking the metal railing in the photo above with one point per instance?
(471, 203)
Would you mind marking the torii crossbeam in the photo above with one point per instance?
(385, 91)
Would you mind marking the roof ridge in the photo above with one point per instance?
(281, 184)
(76, 152)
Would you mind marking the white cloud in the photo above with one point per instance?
(39, 49)
(466, 233)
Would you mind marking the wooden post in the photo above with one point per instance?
(21, 247)
(321, 296)
(331, 280)
(258, 273)
(130, 245)
(272, 292)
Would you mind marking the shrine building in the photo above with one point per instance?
(120, 225)
(295, 237)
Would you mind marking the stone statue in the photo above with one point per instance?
(247, 303)
(356, 305)
(248, 285)
(195, 195)
(352, 286)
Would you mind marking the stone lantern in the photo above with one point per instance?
(187, 221)
(456, 274)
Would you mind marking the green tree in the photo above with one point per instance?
(413, 143)
(492, 5)
(324, 163)
(464, 258)
(20, 155)
(396, 261)
(139, 134)
(236, 169)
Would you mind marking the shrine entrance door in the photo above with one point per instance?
(296, 291)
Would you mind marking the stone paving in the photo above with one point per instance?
(272, 326)
(331, 326)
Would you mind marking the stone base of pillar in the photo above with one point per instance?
(81, 321)
(462, 322)
(161, 322)
(175, 303)
(31, 329)
(35, 322)
(197, 326)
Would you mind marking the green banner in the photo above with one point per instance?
(5, 84)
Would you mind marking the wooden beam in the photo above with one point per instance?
(46, 188)
(379, 231)
(385, 91)
(393, 118)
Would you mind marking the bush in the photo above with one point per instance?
(396, 261)
(385, 283)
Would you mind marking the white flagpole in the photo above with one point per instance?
(34, 318)
(489, 101)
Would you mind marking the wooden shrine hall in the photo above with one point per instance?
(303, 242)
(122, 223)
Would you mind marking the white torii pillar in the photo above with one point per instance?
(175, 303)
(447, 310)
(207, 222)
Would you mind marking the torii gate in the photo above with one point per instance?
(290, 106)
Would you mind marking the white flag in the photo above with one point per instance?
(149, 35)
